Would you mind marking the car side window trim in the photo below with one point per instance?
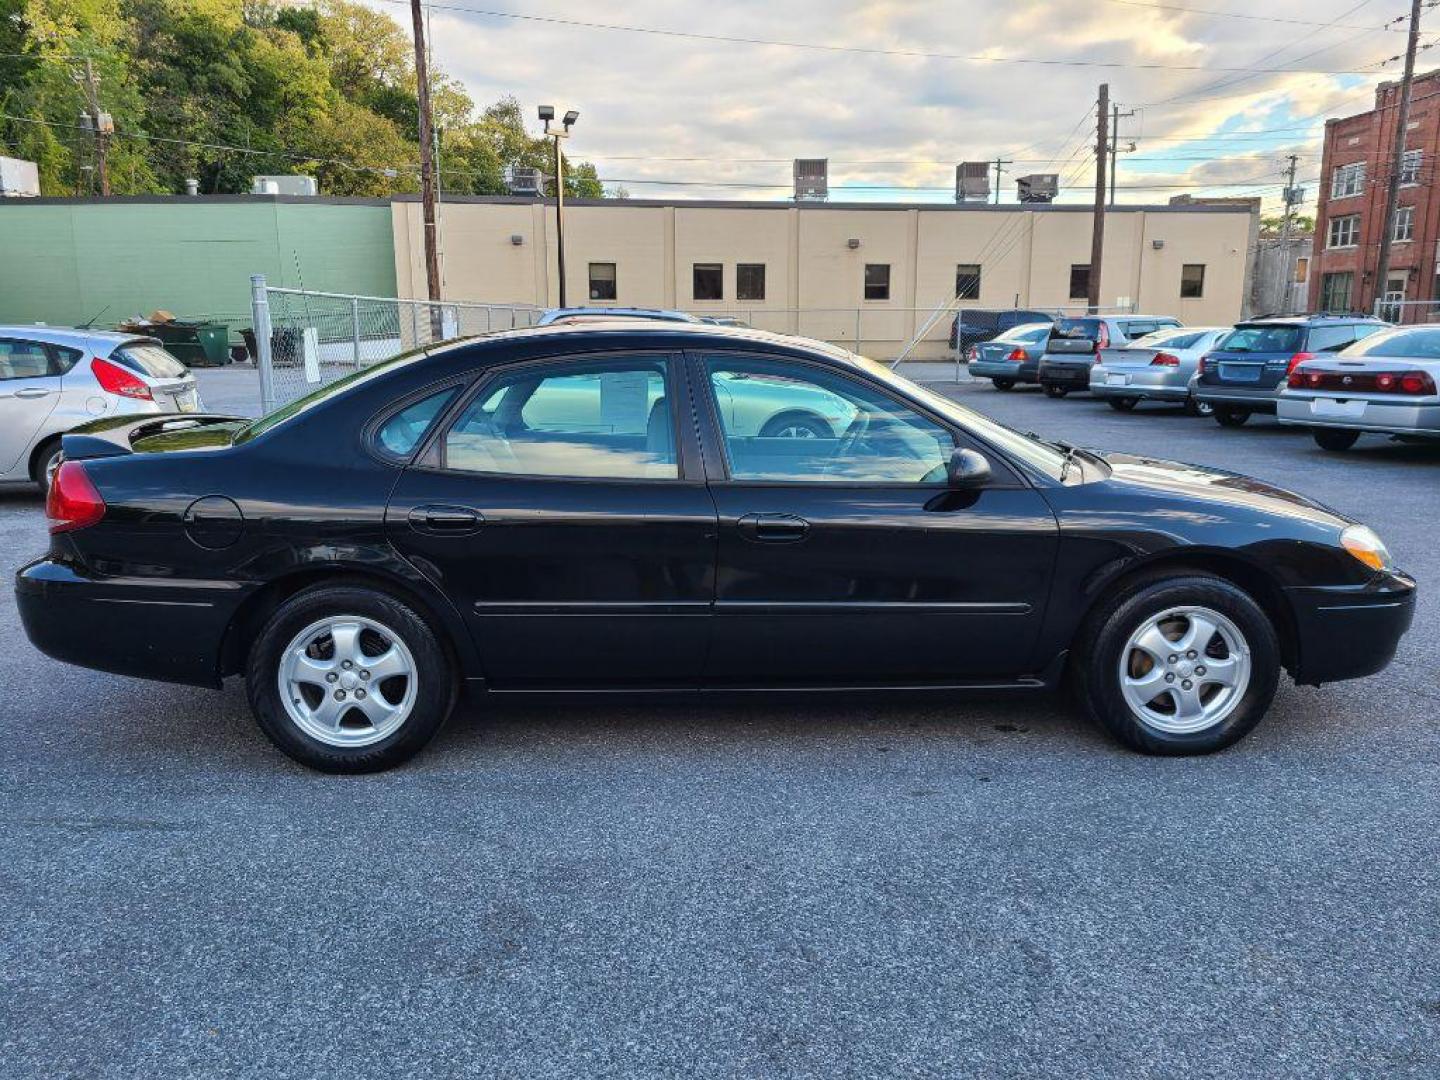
(717, 462)
(431, 457)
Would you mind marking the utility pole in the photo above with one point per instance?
(999, 164)
(100, 124)
(1115, 117)
(427, 158)
(1291, 198)
(1397, 159)
(1097, 238)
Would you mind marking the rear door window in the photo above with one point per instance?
(32, 360)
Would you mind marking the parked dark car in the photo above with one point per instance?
(1078, 341)
(1246, 370)
(974, 325)
(1011, 358)
(458, 518)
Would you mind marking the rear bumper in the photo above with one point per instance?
(1386, 417)
(1260, 399)
(151, 630)
(1155, 384)
(1004, 369)
(1071, 376)
(1348, 632)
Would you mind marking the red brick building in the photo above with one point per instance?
(1354, 174)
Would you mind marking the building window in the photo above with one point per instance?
(877, 281)
(708, 281)
(1079, 281)
(1335, 291)
(1404, 224)
(750, 281)
(967, 281)
(1347, 180)
(1410, 166)
(1344, 231)
(602, 281)
(1192, 281)
(1302, 270)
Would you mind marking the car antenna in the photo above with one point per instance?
(88, 323)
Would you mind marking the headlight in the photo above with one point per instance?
(1361, 541)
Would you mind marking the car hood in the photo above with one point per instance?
(1217, 486)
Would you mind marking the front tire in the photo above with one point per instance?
(1004, 384)
(1336, 439)
(1231, 418)
(1178, 666)
(1123, 404)
(348, 679)
(1199, 408)
(1051, 390)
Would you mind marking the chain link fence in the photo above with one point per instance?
(302, 340)
(1408, 312)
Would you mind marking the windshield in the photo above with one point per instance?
(1032, 332)
(272, 420)
(1038, 454)
(1420, 343)
(1086, 328)
(150, 358)
(1266, 339)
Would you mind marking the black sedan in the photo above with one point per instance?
(591, 508)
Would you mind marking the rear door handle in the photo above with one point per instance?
(32, 392)
(773, 528)
(445, 520)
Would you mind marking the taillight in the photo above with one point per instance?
(1418, 383)
(1298, 359)
(73, 503)
(1102, 339)
(114, 379)
(973, 353)
(1165, 359)
(1017, 356)
(1200, 367)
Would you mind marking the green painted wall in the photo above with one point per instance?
(63, 261)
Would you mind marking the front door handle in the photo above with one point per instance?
(773, 528)
(32, 392)
(445, 520)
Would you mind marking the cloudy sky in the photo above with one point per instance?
(691, 99)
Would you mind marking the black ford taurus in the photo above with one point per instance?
(666, 507)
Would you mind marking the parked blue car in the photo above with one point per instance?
(1012, 357)
(1246, 370)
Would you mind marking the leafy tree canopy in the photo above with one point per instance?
(221, 91)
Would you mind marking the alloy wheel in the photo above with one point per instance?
(347, 680)
(1184, 670)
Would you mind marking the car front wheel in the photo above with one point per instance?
(1230, 418)
(1335, 438)
(347, 679)
(1177, 666)
(1123, 404)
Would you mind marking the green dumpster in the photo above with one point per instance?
(197, 344)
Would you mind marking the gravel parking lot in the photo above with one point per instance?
(856, 888)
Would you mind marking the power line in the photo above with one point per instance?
(1245, 15)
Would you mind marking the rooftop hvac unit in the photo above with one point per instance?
(524, 180)
(812, 178)
(972, 181)
(284, 185)
(1038, 187)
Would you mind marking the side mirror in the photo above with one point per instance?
(967, 468)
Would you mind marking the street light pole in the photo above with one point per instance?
(547, 114)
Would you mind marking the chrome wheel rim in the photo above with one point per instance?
(346, 680)
(1184, 670)
(796, 431)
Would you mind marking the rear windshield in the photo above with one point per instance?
(1175, 339)
(147, 358)
(1262, 339)
(1087, 328)
(1419, 343)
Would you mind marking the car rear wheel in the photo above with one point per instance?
(1051, 390)
(1199, 408)
(1231, 418)
(1335, 438)
(1123, 404)
(348, 679)
(1176, 666)
(796, 425)
(46, 462)
(1004, 384)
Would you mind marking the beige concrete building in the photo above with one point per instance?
(856, 273)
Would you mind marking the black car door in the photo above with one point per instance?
(844, 556)
(564, 510)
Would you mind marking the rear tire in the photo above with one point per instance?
(1051, 390)
(1336, 439)
(46, 462)
(1199, 408)
(1230, 418)
(1004, 384)
(1192, 710)
(384, 719)
(1123, 404)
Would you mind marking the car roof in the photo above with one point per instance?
(554, 314)
(69, 335)
(693, 333)
(1306, 320)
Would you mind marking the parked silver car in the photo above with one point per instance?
(53, 379)
(1386, 384)
(1156, 367)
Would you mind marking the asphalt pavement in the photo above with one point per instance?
(779, 889)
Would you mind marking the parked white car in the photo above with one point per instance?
(53, 379)
(1386, 384)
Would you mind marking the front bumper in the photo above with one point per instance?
(1348, 632)
(1361, 414)
(150, 629)
(1153, 384)
(1260, 399)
